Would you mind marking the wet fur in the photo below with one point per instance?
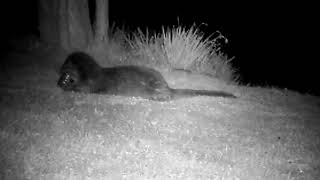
(81, 73)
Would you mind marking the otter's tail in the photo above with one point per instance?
(181, 93)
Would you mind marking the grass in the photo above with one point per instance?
(266, 133)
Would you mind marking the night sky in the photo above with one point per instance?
(273, 43)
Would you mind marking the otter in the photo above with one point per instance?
(81, 73)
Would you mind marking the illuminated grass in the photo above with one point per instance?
(105, 137)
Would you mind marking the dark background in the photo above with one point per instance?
(273, 43)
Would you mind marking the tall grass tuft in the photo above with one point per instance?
(182, 48)
(148, 48)
(188, 49)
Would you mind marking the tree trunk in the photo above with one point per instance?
(102, 20)
(65, 22)
(48, 13)
(78, 23)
